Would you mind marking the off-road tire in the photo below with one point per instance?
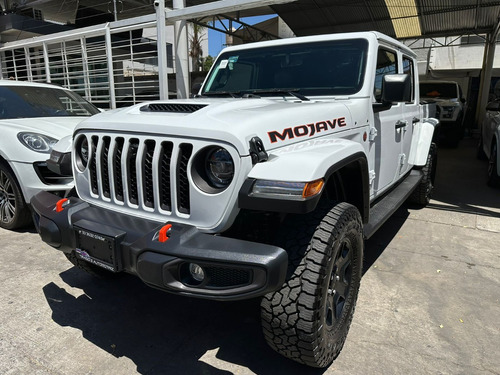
(422, 194)
(325, 250)
(14, 212)
(493, 178)
(90, 268)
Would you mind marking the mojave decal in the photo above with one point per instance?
(306, 130)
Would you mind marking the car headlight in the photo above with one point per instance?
(295, 191)
(213, 169)
(37, 142)
(219, 167)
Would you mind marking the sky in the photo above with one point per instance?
(217, 40)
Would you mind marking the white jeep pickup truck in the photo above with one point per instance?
(264, 185)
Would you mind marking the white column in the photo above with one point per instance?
(111, 74)
(486, 73)
(181, 53)
(161, 46)
(46, 62)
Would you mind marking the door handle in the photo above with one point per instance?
(400, 124)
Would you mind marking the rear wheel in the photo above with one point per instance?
(307, 320)
(422, 194)
(14, 212)
(493, 178)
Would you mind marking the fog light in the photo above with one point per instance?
(196, 272)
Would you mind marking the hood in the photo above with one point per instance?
(277, 122)
(56, 127)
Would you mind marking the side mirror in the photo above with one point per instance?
(396, 88)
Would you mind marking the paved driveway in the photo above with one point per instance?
(428, 304)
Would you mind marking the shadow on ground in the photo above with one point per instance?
(163, 333)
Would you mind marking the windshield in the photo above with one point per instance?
(31, 101)
(439, 90)
(319, 68)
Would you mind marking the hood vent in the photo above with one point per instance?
(172, 107)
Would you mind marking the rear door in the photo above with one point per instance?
(411, 114)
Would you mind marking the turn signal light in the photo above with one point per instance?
(312, 188)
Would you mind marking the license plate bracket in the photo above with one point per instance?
(100, 249)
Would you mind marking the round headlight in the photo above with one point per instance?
(219, 167)
(82, 152)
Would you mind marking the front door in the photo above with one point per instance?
(387, 144)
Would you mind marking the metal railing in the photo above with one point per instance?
(110, 65)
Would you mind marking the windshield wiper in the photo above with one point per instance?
(291, 92)
(232, 94)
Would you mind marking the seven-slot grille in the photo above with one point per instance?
(138, 171)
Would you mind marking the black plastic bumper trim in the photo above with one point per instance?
(159, 264)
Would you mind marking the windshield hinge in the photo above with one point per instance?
(373, 134)
(257, 150)
(372, 176)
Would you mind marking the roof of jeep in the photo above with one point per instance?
(317, 38)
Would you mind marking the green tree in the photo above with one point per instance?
(207, 63)
(195, 50)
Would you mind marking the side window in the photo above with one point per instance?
(387, 63)
(408, 69)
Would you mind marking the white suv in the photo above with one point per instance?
(33, 117)
(451, 106)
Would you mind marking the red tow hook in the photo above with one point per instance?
(163, 235)
(60, 204)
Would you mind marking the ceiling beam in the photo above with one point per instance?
(218, 7)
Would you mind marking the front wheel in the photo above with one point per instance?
(14, 212)
(307, 320)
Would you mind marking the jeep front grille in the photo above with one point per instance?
(137, 172)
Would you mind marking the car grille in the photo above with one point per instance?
(138, 172)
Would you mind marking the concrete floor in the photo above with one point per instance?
(429, 302)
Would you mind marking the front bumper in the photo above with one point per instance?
(33, 178)
(234, 269)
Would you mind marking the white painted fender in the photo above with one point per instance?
(421, 142)
(306, 161)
